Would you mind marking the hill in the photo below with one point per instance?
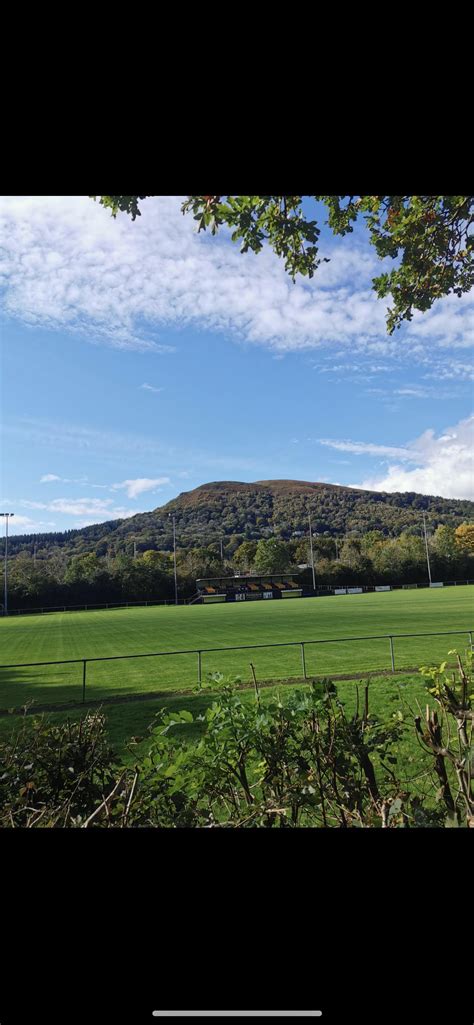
(237, 511)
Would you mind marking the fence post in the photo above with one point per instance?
(303, 661)
(391, 654)
(199, 668)
(470, 638)
(84, 662)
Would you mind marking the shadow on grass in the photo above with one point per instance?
(18, 690)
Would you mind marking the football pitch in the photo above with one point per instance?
(131, 632)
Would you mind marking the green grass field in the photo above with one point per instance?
(132, 719)
(137, 631)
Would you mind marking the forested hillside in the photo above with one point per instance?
(238, 511)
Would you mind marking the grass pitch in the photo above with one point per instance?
(79, 635)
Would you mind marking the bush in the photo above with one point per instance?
(297, 762)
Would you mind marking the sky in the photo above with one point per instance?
(141, 359)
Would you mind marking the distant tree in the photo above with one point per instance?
(198, 563)
(324, 547)
(350, 552)
(156, 560)
(244, 555)
(430, 237)
(82, 568)
(465, 536)
(272, 556)
(326, 570)
(370, 539)
(400, 560)
(302, 554)
(444, 542)
(26, 579)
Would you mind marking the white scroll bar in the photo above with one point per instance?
(237, 1014)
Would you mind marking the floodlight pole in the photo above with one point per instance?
(426, 546)
(222, 552)
(6, 515)
(174, 553)
(311, 546)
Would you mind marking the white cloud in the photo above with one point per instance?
(48, 478)
(25, 525)
(443, 466)
(415, 393)
(366, 448)
(448, 324)
(67, 264)
(149, 387)
(141, 484)
(98, 507)
(451, 370)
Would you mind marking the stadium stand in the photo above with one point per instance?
(250, 588)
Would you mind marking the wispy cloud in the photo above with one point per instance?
(451, 370)
(414, 393)
(140, 485)
(365, 448)
(360, 368)
(109, 447)
(150, 387)
(100, 508)
(50, 478)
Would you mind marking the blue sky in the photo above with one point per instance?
(140, 360)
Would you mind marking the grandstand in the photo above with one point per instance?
(255, 588)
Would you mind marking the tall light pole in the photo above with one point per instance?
(311, 546)
(222, 551)
(174, 552)
(426, 546)
(5, 608)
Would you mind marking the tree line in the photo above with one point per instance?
(369, 559)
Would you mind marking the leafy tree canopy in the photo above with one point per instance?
(465, 536)
(430, 237)
(272, 556)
